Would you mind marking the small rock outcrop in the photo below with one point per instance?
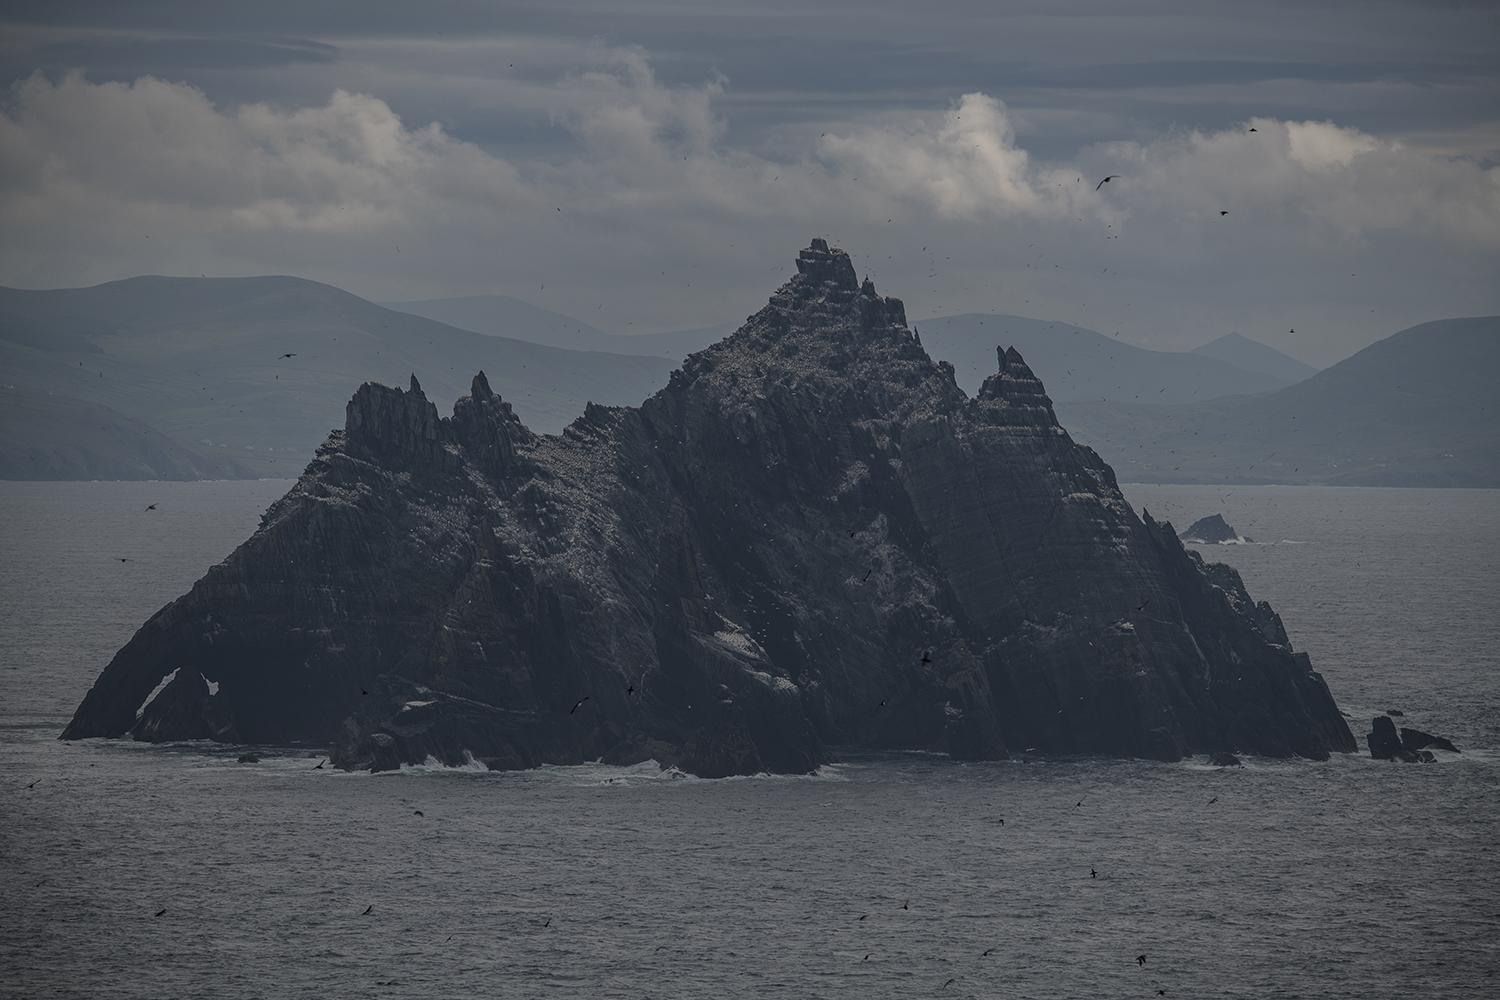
(1415, 740)
(1210, 530)
(1223, 759)
(811, 537)
(1384, 744)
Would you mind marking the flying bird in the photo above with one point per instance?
(1093, 874)
(1141, 959)
(1213, 800)
(547, 924)
(161, 911)
(152, 507)
(927, 656)
(320, 766)
(867, 575)
(368, 910)
(906, 905)
(1223, 213)
(287, 356)
(1255, 130)
(1105, 181)
(946, 985)
(1143, 606)
(418, 812)
(630, 690)
(580, 701)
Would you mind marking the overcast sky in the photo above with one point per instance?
(647, 166)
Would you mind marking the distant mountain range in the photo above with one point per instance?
(1074, 363)
(504, 316)
(185, 378)
(1420, 408)
(246, 376)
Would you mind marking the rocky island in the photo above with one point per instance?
(810, 538)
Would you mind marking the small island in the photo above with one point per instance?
(810, 538)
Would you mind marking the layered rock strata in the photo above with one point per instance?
(810, 538)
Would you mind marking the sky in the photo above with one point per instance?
(1315, 176)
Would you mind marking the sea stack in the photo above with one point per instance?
(810, 538)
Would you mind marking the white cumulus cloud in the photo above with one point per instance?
(655, 218)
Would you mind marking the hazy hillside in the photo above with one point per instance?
(201, 360)
(1077, 364)
(504, 316)
(1420, 408)
(1253, 356)
(54, 437)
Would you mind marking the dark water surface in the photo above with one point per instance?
(1344, 878)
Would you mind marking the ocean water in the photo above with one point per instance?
(143, 871)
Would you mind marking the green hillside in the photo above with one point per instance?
(1420, 408)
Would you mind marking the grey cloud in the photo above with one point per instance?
(692, 146)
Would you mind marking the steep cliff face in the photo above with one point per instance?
(810, 538)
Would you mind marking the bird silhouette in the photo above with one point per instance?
(867, 574)
(927, 656)
(580, 701)
(320, 765)
(1093, 873)
(865, 959)
(363, 691)
(1255, 130)
(161, 911)
(863, 915)
(418, 812)
(1223, 213)
(882, 703)
(851, 532)
(630, 690)
(547, 924)
(368, 910)
(1213, 800)
(1141, 959)
(949, 983)
(906, 905)
(152, 507)
(1105, 181)
(287, 356)
(1143, 606)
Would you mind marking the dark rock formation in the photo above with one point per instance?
(1384, 744)
(810, 538)
(1395, 712)
(248, 758)
(1222, 759)
(1415, 739)
(1210, 529)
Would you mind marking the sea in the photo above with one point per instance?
(174, 871)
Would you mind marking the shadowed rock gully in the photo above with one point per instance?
(810, 538)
